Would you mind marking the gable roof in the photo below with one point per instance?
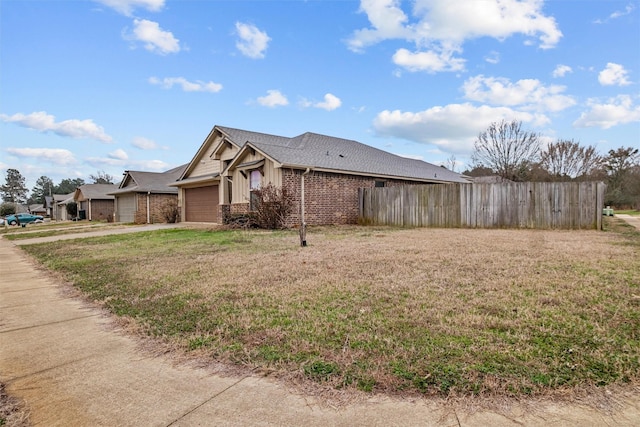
(240, 137)
(326, 153)
(63, 199)
(153, 182)
(95, 192)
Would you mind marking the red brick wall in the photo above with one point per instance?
(156, 204)
(330, 198)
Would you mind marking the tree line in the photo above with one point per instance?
(513, 153)
(15, 190)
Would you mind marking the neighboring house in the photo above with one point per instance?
(141, 196)
(231, 163)
(37, 209)
(60, 202)
(95, 202)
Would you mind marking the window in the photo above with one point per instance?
(255, 179)
(380, 184)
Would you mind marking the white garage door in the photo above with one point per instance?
(126, 208)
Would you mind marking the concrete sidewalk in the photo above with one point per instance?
(73, 369)
(99, 231)
(630, 219)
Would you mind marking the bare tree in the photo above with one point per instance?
(507, 149)
(451, 163)
(101, 178)
(566, 160)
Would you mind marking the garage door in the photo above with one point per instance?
(201, 204)
(126, 208)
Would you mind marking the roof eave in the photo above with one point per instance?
(373, 175)
(196, 180)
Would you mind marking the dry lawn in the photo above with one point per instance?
(429, 311)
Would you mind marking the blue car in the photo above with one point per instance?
(24, 218)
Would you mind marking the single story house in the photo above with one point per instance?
(37, 209)
(324, 171)
(60, 202)
(95, 202)
(141, 196)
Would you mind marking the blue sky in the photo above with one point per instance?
(115, 85)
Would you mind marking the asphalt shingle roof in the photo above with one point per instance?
(326, 152)
(97, 191)
(154, 182)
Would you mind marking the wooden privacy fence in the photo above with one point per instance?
(562, 205)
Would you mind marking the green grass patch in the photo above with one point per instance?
(435, 312)
(628, 212)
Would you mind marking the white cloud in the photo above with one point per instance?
(617, 14)
(453, 128)
(410, 156)
(613, 74)
(144, 143)
(253, 42)
(439, 28)
(493, 57)
(151, 165)
(57, 156)
(530, 94)
(330, 103)
(431, 61)
(273, 99)
(155, 39)
(616, 111)
(43, 122)
(126, 7)
(119, 154)
(561, 70)
(112, 161)
(187, 86)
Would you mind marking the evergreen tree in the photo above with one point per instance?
(14, 190)
(67, 185)
(44, 187)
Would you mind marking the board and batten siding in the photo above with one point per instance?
(561, 205)
(206, 164)
(240, 181)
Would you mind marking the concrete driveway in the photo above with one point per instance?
(73, 367)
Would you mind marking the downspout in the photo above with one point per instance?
(148, 207)
(89, 203)
(303, 224)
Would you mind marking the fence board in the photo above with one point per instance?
(564, 205)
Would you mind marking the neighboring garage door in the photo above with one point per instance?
(126, 208)
(201, 204)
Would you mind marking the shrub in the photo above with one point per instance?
(240, 220)
(171, 211)
(272, 206)
(7, 208)
(72, 209)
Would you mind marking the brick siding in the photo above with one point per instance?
(330, 198)
(156, 205)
